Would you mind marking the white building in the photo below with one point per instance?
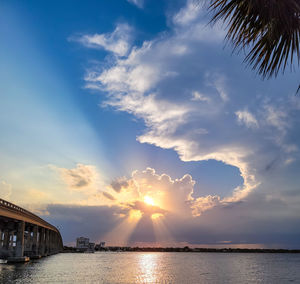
(82, 243)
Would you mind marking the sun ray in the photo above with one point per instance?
(120, 235)
(161, 232)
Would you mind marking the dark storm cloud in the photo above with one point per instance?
(257, 220)
(90, 221)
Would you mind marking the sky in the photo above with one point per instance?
(133, 122)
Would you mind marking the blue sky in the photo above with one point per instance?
(93, 93)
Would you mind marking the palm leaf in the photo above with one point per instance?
(271, 28)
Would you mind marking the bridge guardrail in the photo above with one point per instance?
(24, 212)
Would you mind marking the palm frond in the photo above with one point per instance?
(271, 28)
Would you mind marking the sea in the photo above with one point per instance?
(160, 267)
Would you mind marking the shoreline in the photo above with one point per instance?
(184, 249)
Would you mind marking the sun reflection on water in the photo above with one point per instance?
(148, 267)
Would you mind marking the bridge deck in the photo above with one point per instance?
(13, 211)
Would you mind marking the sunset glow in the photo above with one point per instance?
(135, 215)
(131, 123)
(156, 216)
(149, 200)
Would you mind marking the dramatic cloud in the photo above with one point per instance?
(143, 84)
(195, 97)
(94, 221)
(179, 86)
(171, 195)
(167, 195)
(202, 204)
(234, 223)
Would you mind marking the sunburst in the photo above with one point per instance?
(149, 200)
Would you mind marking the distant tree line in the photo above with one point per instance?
(185, 249)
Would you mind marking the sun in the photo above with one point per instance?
(149, 200)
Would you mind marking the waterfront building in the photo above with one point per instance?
(91, 247)
(82, 243)
(100, 246)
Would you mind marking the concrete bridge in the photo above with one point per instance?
(24, 235)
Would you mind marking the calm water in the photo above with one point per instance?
(138, 267)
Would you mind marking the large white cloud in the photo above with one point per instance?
(172, 195)
(175, 196)
(195, 98)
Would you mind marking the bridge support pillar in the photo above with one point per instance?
(47, 241)
(55, 243)
(51, 242)
(19, 251)
(20, 239)
(6, 240)
(35, 243)
(29, 240)
(42, 242)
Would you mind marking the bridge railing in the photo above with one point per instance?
(12, 207)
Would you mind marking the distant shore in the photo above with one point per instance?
(185, 249)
